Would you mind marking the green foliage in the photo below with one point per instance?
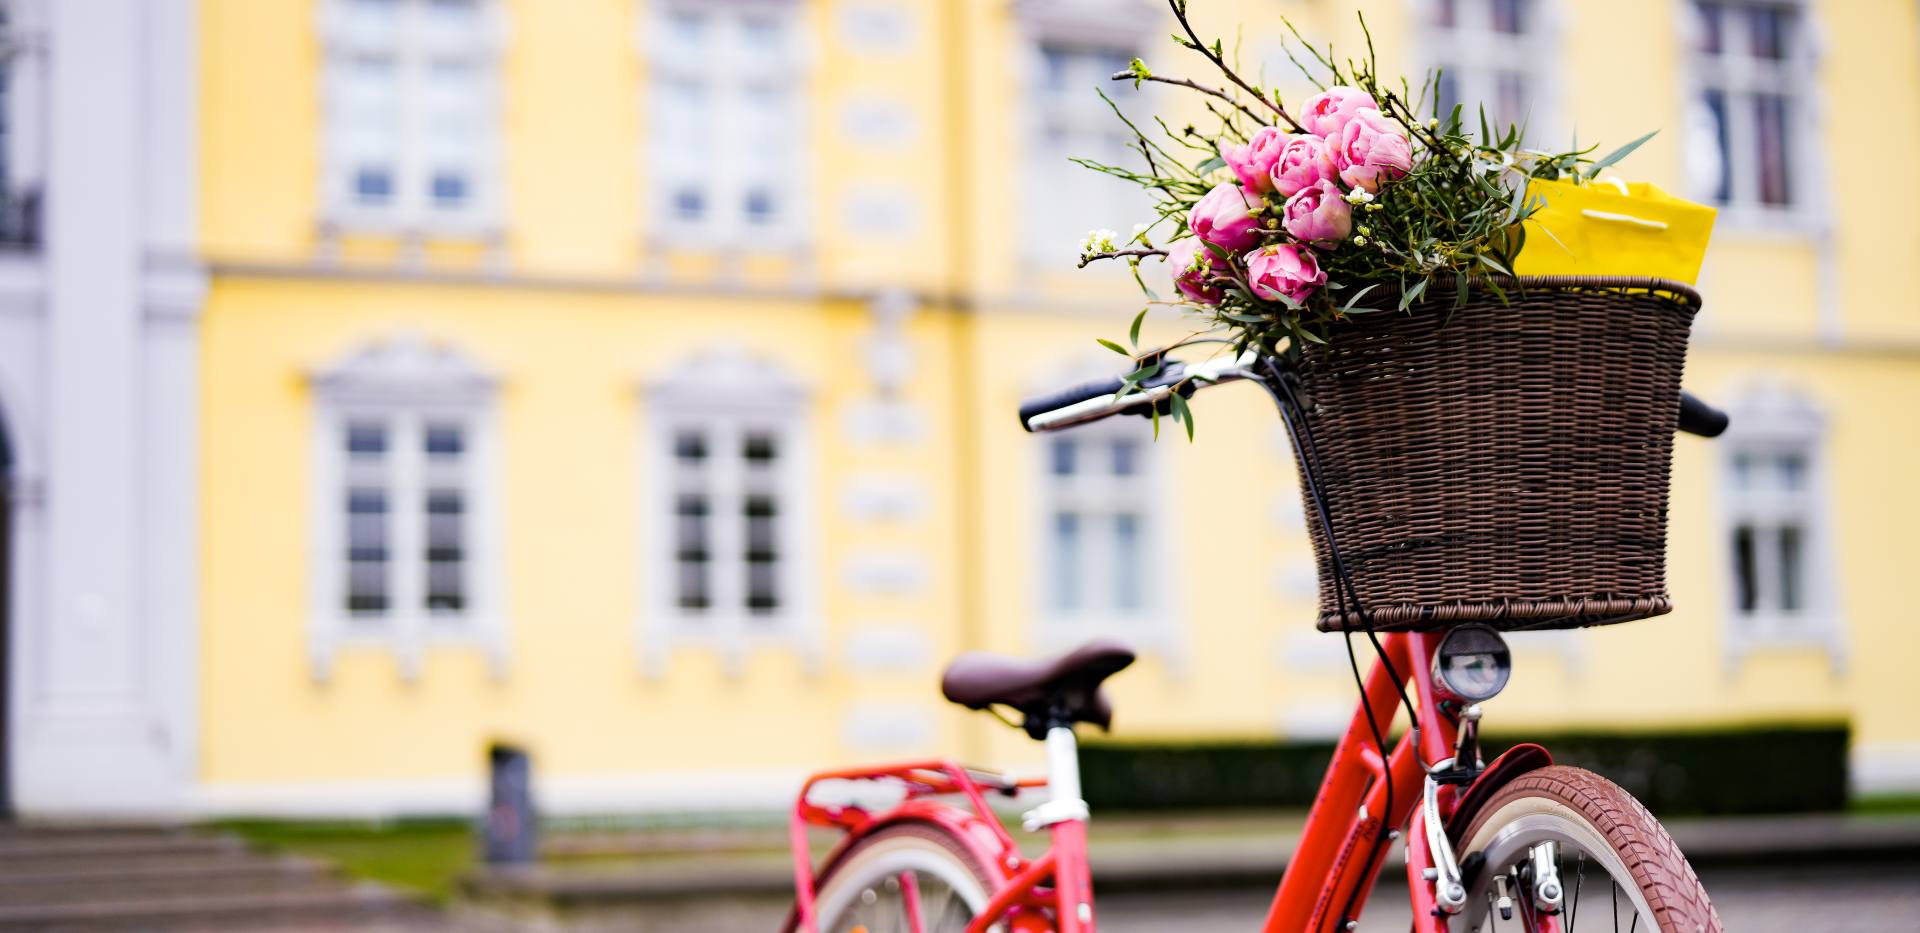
(1739, 770)
(425, 857)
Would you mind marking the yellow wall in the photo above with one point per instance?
(579, 308)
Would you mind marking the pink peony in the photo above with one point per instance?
(1192, 267)
(1284, 273)
(1318, 214)
(1305, 161)
(1372, 149)
(1253, 163)
(1328, 112)
(1225, 218)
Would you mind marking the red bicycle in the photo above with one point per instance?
(1515, 843)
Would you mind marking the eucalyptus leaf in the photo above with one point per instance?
(1618, 154)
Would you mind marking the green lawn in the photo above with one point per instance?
(423, 856)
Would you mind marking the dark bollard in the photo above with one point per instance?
(511, 826)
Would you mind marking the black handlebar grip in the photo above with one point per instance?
(1040, 405)
(1698, 417)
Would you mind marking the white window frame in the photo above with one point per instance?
(411, 211)
(728, 393)
(1153, 625)
(405, 383)
(1807, 183)
(1769, 418)
(724, 74)
(1127, 26)
(1460, 51)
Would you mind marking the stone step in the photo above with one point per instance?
(96, 888)
(185, 869)
(38, 847)
(336, 903)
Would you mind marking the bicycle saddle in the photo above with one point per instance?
(1067, 684)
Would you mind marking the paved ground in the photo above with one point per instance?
(1870, 898)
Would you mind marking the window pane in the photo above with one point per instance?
(1711, 26)
(690, 447)
(446, 551)
(763, 593)
(686, 28)
(690, 527)
(1709, 160)
(762, 535)
(1446, 13)
(449, 188)
(1066, 561)
(373, 184)
(1793, 471)
(1126, 458)
(1509, 97)
(445, 440)
(366, 440)
(1745, 572)
(1128, 572)
(760, 206)
(1510, 16)
(366, 557)
(1767, 31)
(691, 551)
(1792, 571)
(1062, 459)
(759, 449)
(1771, 147)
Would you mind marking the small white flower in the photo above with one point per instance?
(1359, 241)
(1359, 196)
(1140, 235)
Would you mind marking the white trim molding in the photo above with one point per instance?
(1780, 578)
(728, 470)
(411, 428)
(1884, 768)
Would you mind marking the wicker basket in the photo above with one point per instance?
(1499, 463)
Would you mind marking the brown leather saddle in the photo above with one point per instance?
(1060, 690)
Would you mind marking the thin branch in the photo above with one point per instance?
(1117, 253)
(1180, 13)
(1195, 85)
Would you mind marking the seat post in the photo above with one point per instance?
(1064, 804)
(1063, 764)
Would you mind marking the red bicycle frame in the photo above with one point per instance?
(1356, 816)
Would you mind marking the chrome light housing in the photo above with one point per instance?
(1472, 663)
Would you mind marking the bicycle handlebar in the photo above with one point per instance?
(1093, 401)
(1698, 417)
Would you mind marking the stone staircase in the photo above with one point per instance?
(84, 878)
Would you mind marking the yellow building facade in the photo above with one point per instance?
(633, 381)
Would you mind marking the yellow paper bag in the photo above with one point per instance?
(1609, 227)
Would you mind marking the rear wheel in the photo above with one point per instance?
(1617, 868)
(885, 880)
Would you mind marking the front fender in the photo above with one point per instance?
(1516, 761)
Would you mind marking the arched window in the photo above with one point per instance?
(406, 544)
(1781, 587)
(727, 506)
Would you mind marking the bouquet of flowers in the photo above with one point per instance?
(1279, 223)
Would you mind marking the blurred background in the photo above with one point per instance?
(630, 384)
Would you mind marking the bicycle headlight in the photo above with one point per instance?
(1473, 663)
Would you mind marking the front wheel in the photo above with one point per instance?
(906, 877)
(1617, 867)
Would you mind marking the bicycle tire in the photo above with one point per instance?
(1642, 852)
(859, 877)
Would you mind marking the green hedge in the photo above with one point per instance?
(1761, 769)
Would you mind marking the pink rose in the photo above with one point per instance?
(1193, 267)
(1328, 112)
(1225, 218)
(1318, 214)
(1253, 163)
(1372, 149)
(1284, 273)
(1305, 161)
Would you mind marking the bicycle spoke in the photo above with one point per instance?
(1579, 875)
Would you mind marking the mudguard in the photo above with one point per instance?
(1516, 761)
